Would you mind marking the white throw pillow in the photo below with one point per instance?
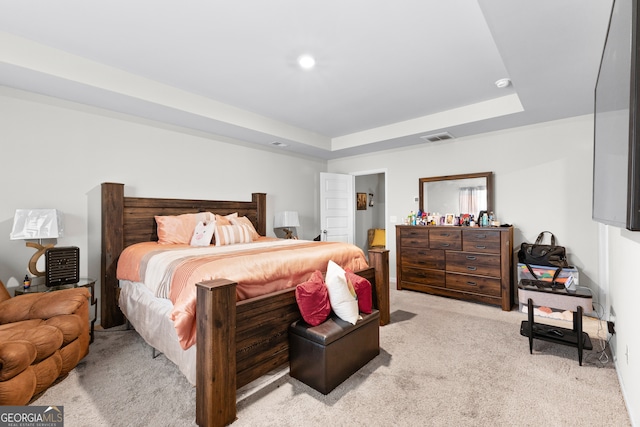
(342, 297)
(203, 233)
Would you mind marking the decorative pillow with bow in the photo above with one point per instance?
(203, 233)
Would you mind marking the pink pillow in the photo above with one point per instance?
(243, 220)
(226, 219)
(313, 299)
(178, 229)
(363, 290)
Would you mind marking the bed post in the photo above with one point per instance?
(216, 353)
(379, 260)
(260, 199)
(112, 244)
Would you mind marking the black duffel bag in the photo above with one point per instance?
(546, 255)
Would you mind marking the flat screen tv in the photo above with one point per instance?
(616, 160)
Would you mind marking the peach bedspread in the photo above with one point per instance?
(259, 268)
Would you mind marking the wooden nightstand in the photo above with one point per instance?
(83, 283)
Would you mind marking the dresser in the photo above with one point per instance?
(470, 263)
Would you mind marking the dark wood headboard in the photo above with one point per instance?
(129, 220)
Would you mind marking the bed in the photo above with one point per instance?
(250, 334)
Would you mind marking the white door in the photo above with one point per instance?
(337, 200)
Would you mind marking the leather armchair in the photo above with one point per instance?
(43, 336)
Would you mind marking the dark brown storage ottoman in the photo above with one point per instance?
(324, 356)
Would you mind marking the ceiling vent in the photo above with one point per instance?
(435, 137)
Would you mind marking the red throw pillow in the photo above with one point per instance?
(363, 291)
(313, 299)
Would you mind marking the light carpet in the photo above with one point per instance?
(443, 362)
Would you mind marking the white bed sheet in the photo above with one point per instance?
(149, 316)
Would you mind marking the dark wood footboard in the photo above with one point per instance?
(253, 336)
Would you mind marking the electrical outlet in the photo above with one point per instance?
(611, 327)
(626, 353)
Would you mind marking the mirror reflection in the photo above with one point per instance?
(456, 194)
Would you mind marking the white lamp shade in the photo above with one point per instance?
(286, 219)
(37, 224)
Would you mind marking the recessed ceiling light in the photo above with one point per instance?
(502, 83)
(306, 62)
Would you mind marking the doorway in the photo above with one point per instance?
(373, 216)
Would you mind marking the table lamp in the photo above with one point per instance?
(37, 224)
(286, 220)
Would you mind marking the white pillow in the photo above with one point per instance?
(341, 294)
(203, 233)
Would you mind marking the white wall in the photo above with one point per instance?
(624, 299)
(56, 155)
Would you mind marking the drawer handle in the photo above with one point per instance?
(472, 284)
(445, 245)
(422, 253)
(471, 268)
(481, 247)
(444, 234)
(472, 258)
(481, 236)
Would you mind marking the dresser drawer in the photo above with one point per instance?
(486, 241)
(445, 238)
(473, 263)
(479, 285)
(414, 237)
(423, 258)
(423, 276)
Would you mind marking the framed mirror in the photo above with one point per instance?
(457, 194)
